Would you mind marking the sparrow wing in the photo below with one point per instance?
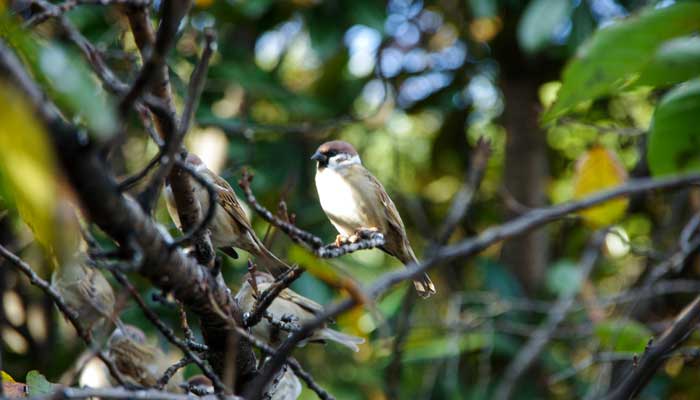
(230, 203)
(393, 219)
(303, 302)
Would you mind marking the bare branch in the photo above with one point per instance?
(119, 216)
(171, 371)
(125, 394)
(70, 314)
(655, 353)
(308, 240)
(467, 248)
(543, 334)
(463, 199)
(269, 295)
(168, 333)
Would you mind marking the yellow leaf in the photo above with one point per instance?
(5, 377)
(28, 171)
(599, 169)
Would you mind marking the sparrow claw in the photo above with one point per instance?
(340, 240)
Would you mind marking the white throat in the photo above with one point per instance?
(343, 160)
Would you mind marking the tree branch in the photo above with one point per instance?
(543, 334)
(467, 248)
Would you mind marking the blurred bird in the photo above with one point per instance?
(355, 201)
(287, 306)
(86, 291)
(284, 386)
(138, 361)
(230, 226)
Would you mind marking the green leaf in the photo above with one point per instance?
(623, 335)
(615, 56)
(674, 137)
(67, 78)
(675, 61)
(564, 278)
(540, 21)
(37, 385)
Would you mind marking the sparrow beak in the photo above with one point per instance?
(321, 158)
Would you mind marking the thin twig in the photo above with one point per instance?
(171, 371)
(269, 295)
(543, 334)
(174, 142)
(306, 239)
(168, 332)
(71, 314)
(655, 354)
(121, 393)
(463, 199)
(466, 248)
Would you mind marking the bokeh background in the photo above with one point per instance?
(413, 85)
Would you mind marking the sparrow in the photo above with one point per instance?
(140, 362)
(355, 201)
(288, 307)
(86, 291)
(284, 386)
(230, 226)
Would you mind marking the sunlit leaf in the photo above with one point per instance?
(540, 21)
(28, 172)
(674, 138)
(27, 165)
(599, 169)
(613, 58)
(623, 335)
(67, 78)
(5, 377)
(37, 385)
(675, 61)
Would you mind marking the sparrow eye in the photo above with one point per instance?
(331, 153)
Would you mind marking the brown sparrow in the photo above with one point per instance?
(284, 386)
(230, 226)
(86, 291)
(140, 362)
(355, 201)
(289, 307)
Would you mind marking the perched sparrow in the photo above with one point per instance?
(288, 307)
(284, 386)
(86, 291)
(354, 200)
(230, 226)
(138, 361)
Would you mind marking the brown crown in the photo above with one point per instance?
(338, 146)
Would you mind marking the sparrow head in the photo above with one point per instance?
(336, 154)
(127, 333)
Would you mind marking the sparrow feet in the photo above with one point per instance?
(340, 240)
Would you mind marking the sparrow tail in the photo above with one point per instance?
(267, 260)
(346, 340)
(424, 286)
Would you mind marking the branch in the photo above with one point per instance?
(543, 334)
(463, 198)
(269, 295)
(470, 247)
(171, 371)
(168, 333)
(120, 393)
(69, 313)
(120, 216)
(655, 353)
